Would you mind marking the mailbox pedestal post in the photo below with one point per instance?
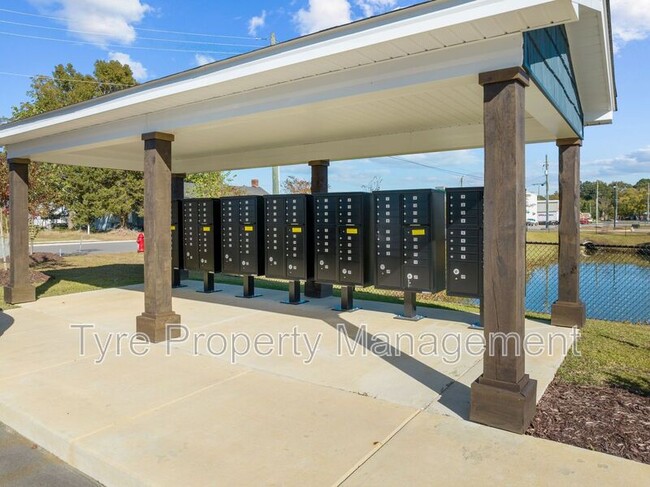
(294, 294)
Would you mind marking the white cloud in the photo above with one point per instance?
(374, 7)
(322, 14)
(630, 21)
(629, 167)
(139, 71)
(105, 21)
(202, 59)
(255, 23)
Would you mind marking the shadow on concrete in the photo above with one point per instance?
(6, 322)
(414, 368)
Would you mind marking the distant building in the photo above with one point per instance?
(254, 189)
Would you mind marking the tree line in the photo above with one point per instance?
(632, 199)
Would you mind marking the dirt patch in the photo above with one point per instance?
(605, 419)
(35, 277)
(43, 257)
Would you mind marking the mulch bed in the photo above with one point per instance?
(605, 419)
(36, 277)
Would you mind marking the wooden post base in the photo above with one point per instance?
(568, 315)
(509, 408)
(20, 294)
(155, 327)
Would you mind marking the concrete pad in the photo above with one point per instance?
(434, 449)
(255, 429)
(63, 403)
(199, 419)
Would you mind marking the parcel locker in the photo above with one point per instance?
(465, 242)
(190, 235)
(289, 237)
(202, 235)
(177, 234)
(342, 238)
(242, 244)
(409, 240)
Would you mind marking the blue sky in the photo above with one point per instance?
(37, 34)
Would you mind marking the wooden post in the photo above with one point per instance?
(504, 396)
(568, 310)
(319, 184)
(19, 289)
(157, 230)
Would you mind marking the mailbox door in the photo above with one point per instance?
(190, 236)
(248, 249)
(275, 217)
(326, 253)
(230, 249)
(296, 252)
(177, 234)
(416, 207)
(351, 258)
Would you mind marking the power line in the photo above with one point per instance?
(117, 46)
(182, 41)
(160, 31)
(436, 168)
(106, 83)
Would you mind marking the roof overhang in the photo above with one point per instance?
(403, 82)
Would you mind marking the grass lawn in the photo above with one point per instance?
(64, 235)
(606, 238)
(611, 354)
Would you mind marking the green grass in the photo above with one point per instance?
(606, 238)
(82, 273)
(64, 235)
(611, 354)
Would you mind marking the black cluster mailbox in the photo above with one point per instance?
(201, 238)
(465, 242)
(242, 243)
(289, 240)
(342, 237)
(177, 242)
(409, 243)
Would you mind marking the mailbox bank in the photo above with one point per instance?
(465, 242)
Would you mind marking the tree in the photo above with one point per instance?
(67, 86)
(296, 185)
(88, 193)
(631, 203)
(213, 184)
(373, 185)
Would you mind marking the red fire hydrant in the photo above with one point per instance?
(140, 243)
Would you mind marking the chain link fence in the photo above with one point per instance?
(614, 282)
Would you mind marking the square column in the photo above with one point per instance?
(319, 184)
(157, 232)
(19, 289)
(568, 310)
(504, 396)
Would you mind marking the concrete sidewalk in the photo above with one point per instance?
(187, 415)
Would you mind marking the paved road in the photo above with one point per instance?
(87, 247)
(23, 464)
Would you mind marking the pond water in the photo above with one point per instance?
(616, 292)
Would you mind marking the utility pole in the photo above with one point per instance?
(597, 215)
(546, 174)
(275, 169)
(461, 181)
(616, 206)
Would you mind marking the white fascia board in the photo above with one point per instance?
(404, 74)
(596, 19)
(425, 18)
